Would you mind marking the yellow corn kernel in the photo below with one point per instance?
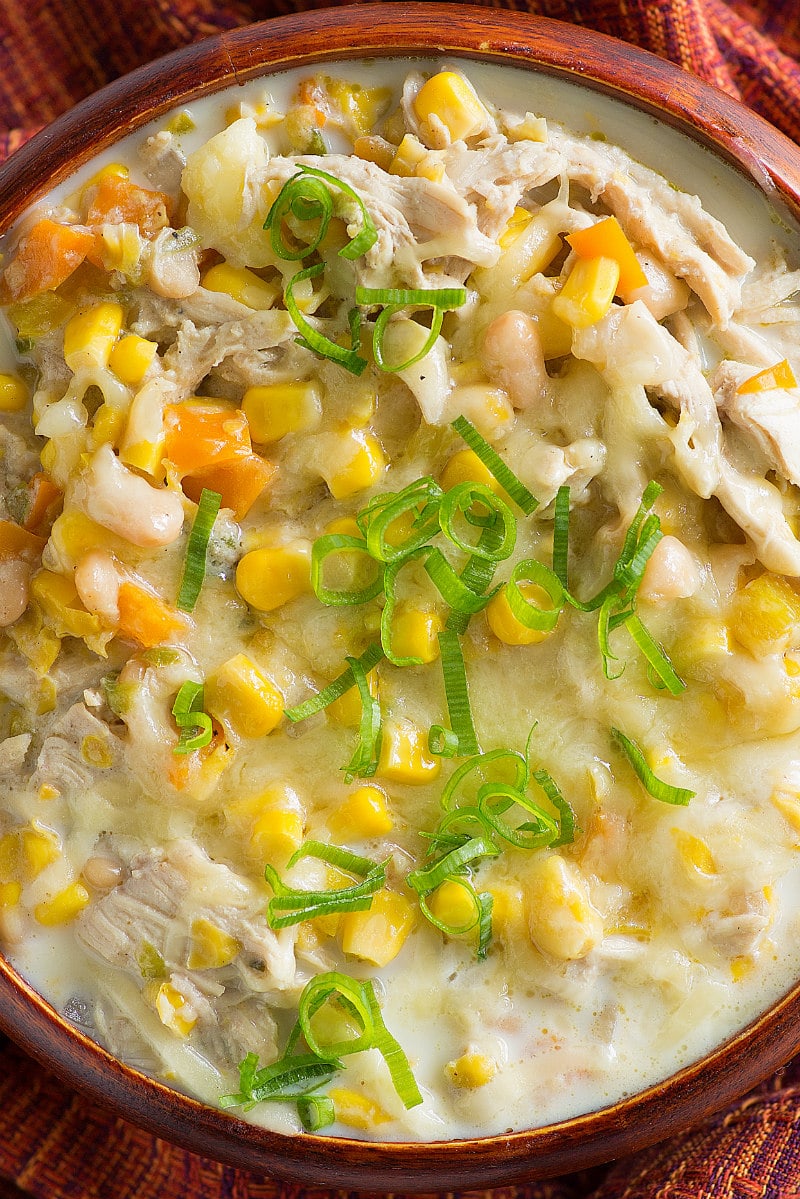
(404, 755)
(48, 791)
(588, 292)
(241, 283)
(173, 1010)
(765, 615)
(378, 935)
(364, 814)
(132, 357)
(346, 709)
(454, 905)
(210, 947)
(39, 847)
(358, 463)
(10, 894)
(695, 854)
(9, 857)
(243, 699)
(452, 100)
(561, 919)
(276, 409)
(269, 577)
(348, 525)
(75, 534)
(58, 598)
(13, 393)
(466, 372)
(89, 336)
(408, 155)
(95, 751)
(489, 408)
(116, 170)
(275, 835)
(63, 907)
(107, 425)
(466, 467)
(504, 623)
(356, 1111)
(704, 642)
(788, 804)
(471, 1070)
(519, 220)
(508, 911)
(121, 247)
(741, 967)
(414, 634)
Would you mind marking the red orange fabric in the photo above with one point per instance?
(58, 1145)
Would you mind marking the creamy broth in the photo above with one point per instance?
(643, 882)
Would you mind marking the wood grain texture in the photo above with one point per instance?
(601, 63)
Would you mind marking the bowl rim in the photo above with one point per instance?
(470, 32)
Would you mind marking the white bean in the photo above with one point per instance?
(672, 572)
(513, 357)
(172, 272)
(15, 577)
(127, 504)
(97, 582)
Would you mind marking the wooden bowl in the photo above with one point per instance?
(708, 119)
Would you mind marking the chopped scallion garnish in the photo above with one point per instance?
(653, 785)
(457, 693)
(194, 723)
(394, 300)
(495, 465)
(291, 906)
(194, 569)
(656, 657)
(364, 761)
(462, 500)
(310, 337)
(343, 544)
(335, 690)
(309, 199)
(522, 607)
(561, 537)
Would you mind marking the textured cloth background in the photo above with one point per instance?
(55, 1145)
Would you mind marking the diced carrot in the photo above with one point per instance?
(16, 542)
(239, 482)
(116, 199)
(774, 377)
(44, 259)
(145, 617)
(44, 494)
(203, 433)
(606, 239)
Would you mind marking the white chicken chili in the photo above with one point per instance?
(399, 608)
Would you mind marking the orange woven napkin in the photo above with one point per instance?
(58, 1145)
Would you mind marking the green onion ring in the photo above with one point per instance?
(311, 337)
(653, 785)
(499, 470)
(338, 543)
(194, 570)
(459, 499)
(523, 609)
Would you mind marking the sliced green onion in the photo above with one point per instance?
(657, 658)
(308, 199)
(476, 576)
(335, 690)
(495, 465)
(315, 1112)
(486, 900)
(194, 569)
(394, 300)
(495, 799)
(312, 339)
(194, 723)
(454, 930)
(366, 238)
(608, 608)
(653, 785)
(421, 497)
(457, 693)
(457, 827)
(451, 586)
(523, 608)
(387, 615)
(475, 771)
(392, 1053)
(364, 761)
(561, 537)
(346, 992)
(567, 822)
(290, 906)
(428, 878)
(287, 1078)
(342, 543)
(459, 500)
(442, 742)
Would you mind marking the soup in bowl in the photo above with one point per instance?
(400, 626)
